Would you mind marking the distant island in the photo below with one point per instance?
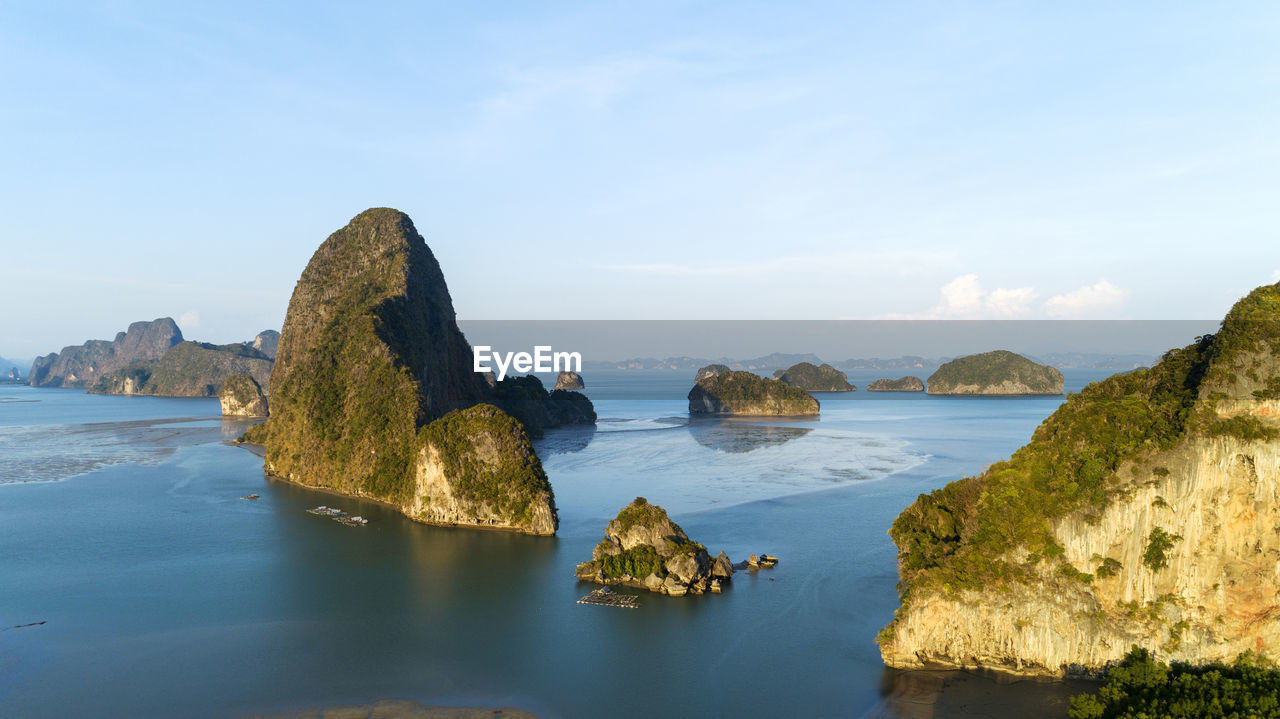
(1141, 513)
(815, 378)
(902, 384)
(188, 369)
(569, 380)
(643, 548)
(83, 365)
(373, 392)
(732, 392)
(778, 360)
(242, 396)
(994, 373)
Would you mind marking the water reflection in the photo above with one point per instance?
(736, 437)
(565, 440)
(978, 694)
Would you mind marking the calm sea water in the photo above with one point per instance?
(163, 594)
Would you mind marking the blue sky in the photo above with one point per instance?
(640, 160)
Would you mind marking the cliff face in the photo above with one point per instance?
(902, 384)
(83, 365)
(815, 378)
(744, 393)
(995, 373)
(643, 548)
(370, 362)
(266, 342)
(242, 396)
(189, 369)
(1143, 512)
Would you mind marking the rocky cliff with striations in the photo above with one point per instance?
(266, 343)
(188, 369)
(902, 384)
(242, 396)
(744, 393)
(373, 393)
(815, 378)
(83, 365)
(643, 548)
(1143, 512)
(994, 373)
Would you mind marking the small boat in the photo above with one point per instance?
(250, 496)
(352, 521)
(323, 511)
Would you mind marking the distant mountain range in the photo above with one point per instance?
(7, 364)
(778, 360)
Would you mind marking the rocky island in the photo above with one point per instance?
(373, 394)
(730, 392)
(83, 365)
(995, 373)
(902, 384)
(188, 369)
(242, 396)
(1143, 512)
(569, 380)
(815, 378)
(643, 548)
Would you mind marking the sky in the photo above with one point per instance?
(662, 160)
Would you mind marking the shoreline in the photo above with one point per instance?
(395, 709)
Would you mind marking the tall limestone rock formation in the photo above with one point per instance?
(1143, 511)
(242, 396)
(373, 393)
(83, 365)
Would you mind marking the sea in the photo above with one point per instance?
(135, 580)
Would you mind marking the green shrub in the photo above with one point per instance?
(1159, 542)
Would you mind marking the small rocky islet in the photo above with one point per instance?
(718, 390)
(569, 380)
(999, 372)
(902, 384)
(643, 548)
(815, 378)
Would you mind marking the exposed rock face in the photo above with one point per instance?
(645, 549)
(14, 374)
(242, 396)
(1144, 511)
(815, 378)
(995, 373)
(744, 393)
(266, 342)
(710, 371)
(189, 369)
(569, 380)
(370, 369)
(83, 365)
(902, 384)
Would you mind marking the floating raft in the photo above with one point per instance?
(338, 515)
(608, 598)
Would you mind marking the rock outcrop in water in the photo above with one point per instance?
(373, 392)
(537, 409)
(730, 392)
(242, 396)
(1143, 511)
(569, 380)
(902, 384)
(188, 369)
(995, 373)
(815, 378)
(83, 365)
(643, 548)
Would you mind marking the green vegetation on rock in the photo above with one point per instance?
(370, 363)
(1142, 688)
(815, 378)
(959, 536)
(995, 373)
(642, 543)
(188, 369)
(745, 393)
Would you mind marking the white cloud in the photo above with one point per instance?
(1100, 296)
(964, 298)
(189, 320)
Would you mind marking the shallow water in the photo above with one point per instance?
(165, 594)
